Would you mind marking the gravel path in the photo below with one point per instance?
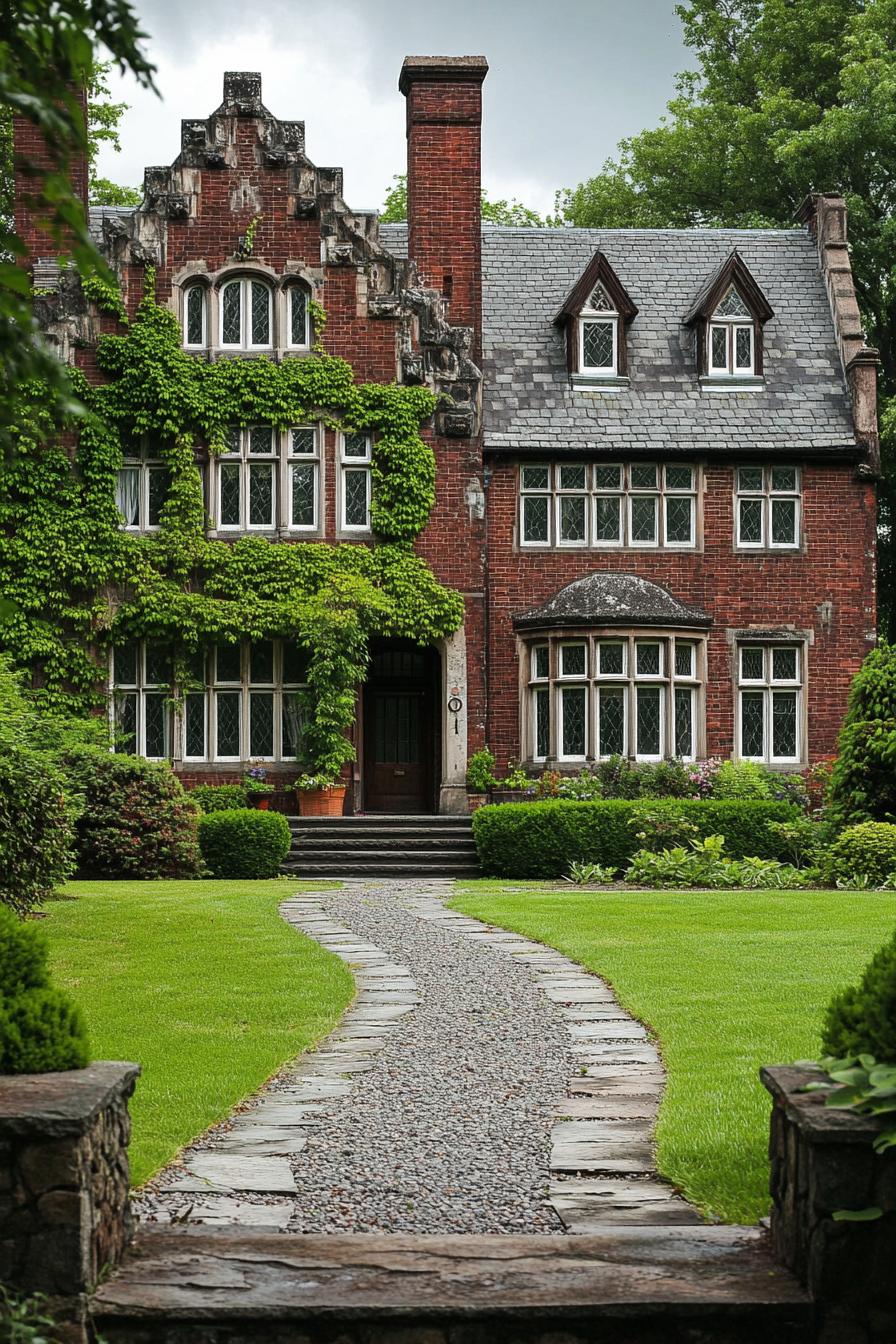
(450, 1129)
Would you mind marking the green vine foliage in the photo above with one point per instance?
(80, 583)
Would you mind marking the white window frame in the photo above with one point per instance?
(667, 680)
(145, 466)
(624, 494)
(293, 460)
(539, 683)
(141, 689)
(245, 342)
(304, 344)
(766, 494)
(278, 688)
(607, 317)
(348, 462)
(562, 492)
(189, 289)
(768, 686)
(245, 460)
(731, 326)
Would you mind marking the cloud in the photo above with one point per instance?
(566, 81)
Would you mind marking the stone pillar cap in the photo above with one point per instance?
(441, 69)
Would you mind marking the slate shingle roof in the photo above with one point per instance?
(529, 405)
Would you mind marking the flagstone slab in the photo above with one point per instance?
(219, 1171)
(224, 1211)
(620, 1107)
(610, 1029)
(585, 1206)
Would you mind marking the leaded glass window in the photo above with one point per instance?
(598, 346)
(141, 487)
(731, 338)
(770, 695)
(195, 745)
(298, 317)
(194, 316)
(600, 505)
(246, 314)
(247, 496)
(768, 507)
(141, 692)
(261, 723)
(227, 722)
(304, 478)
(355, 491)
(636, 696)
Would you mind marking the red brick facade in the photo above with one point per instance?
(242, 166)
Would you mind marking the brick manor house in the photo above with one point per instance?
(656, 456)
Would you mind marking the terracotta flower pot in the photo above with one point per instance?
(321, 802)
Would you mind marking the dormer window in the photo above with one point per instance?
(246, 317)
(728, 316)
(599, 334)
(595, 316)
(732, 338)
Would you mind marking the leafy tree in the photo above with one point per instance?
(863, 780)
(791, 96)
(103, 120)
(395, 209)
(46, 51)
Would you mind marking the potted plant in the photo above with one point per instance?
(480, 778)
(258, 790)
(320, 795)
(515, 787)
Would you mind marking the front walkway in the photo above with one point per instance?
(480, 1083)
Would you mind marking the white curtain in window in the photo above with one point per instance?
(127, 495)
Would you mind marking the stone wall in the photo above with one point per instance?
(822, 1161)
(64, 1177)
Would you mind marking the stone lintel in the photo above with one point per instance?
(59, 1105)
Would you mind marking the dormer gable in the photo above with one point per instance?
(595, 316)
(728, 317)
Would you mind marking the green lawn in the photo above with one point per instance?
(202, 983)
(727, 981)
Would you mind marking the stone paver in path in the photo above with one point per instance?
(480, 1082)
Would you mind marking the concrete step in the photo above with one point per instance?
(383, 820)
(379, 867)
(308, 844)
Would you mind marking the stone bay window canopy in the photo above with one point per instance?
(612, 665)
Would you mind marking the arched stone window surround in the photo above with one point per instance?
(611, 665)
(280, 288)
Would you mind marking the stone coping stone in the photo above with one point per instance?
(61, 1105)
(818, 1122)
(213, 1276)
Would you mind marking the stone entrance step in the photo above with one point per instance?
(376, 845)
(619, 1285)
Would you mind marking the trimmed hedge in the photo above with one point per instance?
(137, 821)
(244, 842)
(41, 1030)
(543, 839)
(219, 797)
(36, 835)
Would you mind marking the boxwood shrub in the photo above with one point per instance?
(36, 835)
(219, 797)
(136, 821)
(866, 851)
(862, 1018)
(543, 839)
(41, 1030)
(244, 842)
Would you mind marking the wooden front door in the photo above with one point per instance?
(399, 761)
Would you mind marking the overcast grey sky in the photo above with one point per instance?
(568, 79)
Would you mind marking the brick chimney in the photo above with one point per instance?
(32, 156)
(444, 119)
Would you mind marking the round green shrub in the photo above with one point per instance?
(244, 842)
(136, 821)
(865, 851)
(219, 797)
(41, 1030)
(862, 1019)
(863, 779)
(36, 836)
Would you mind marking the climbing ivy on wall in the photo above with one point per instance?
(80, 583)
